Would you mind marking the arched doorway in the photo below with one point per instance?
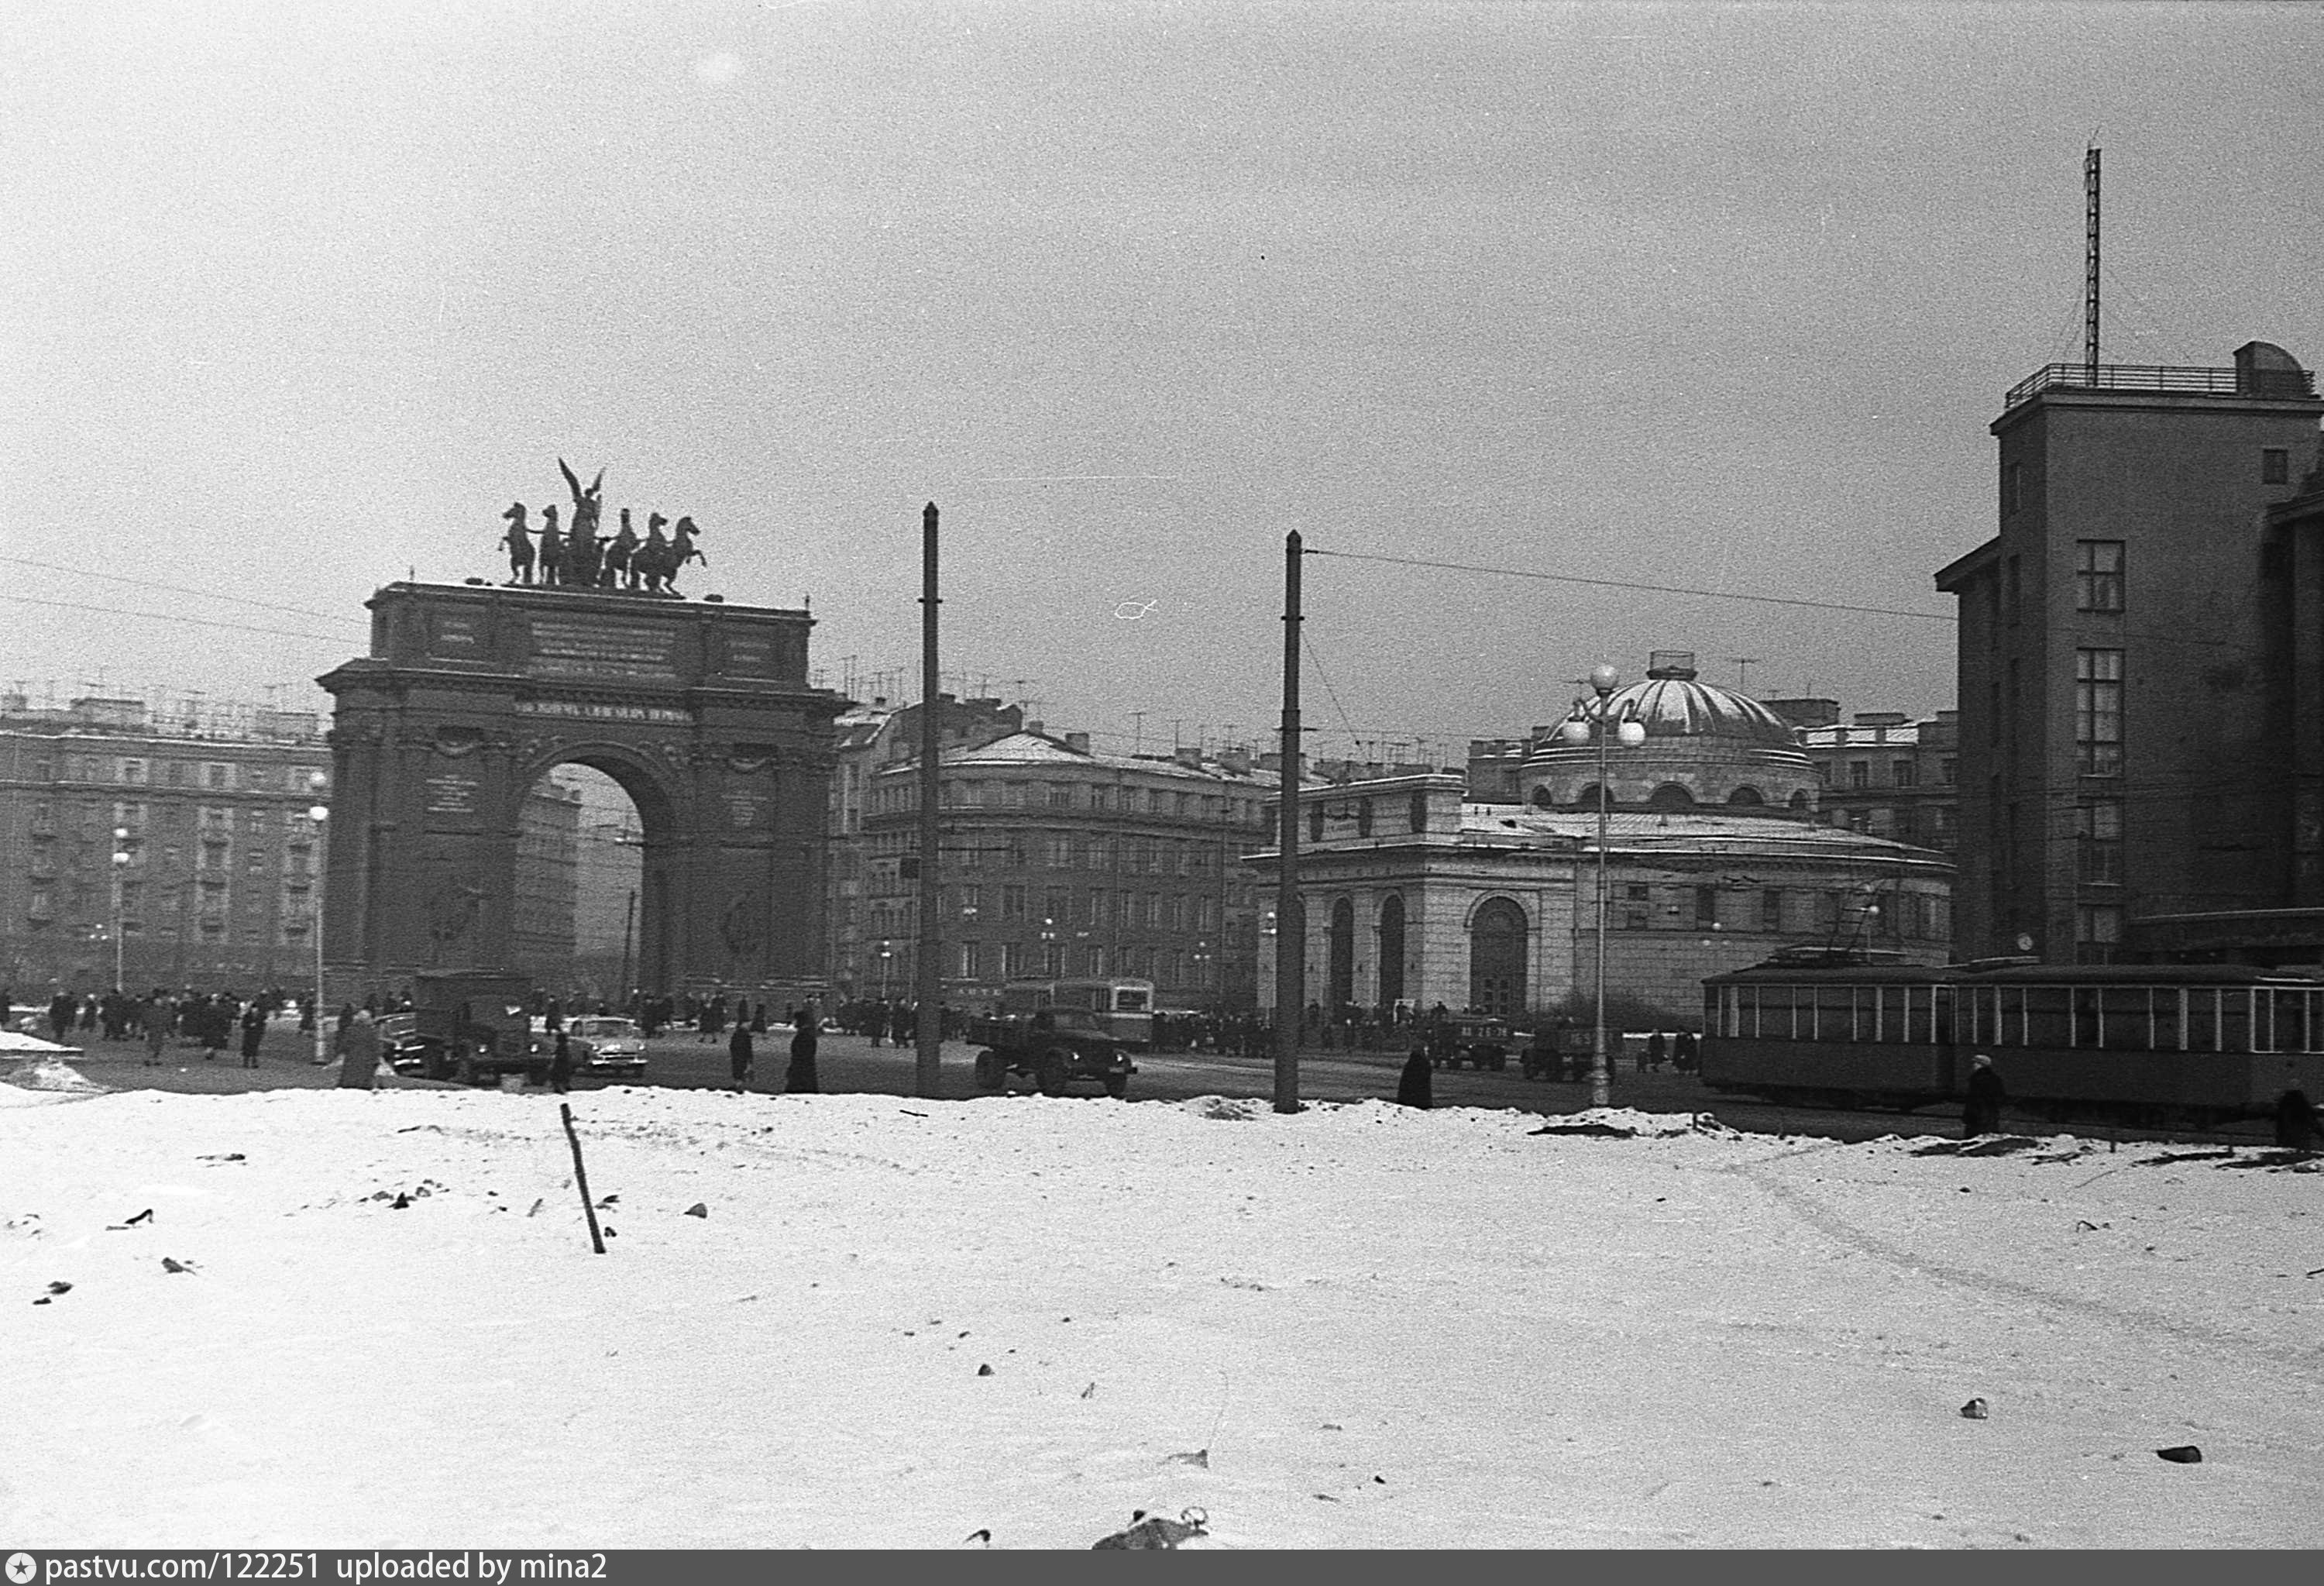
(1496, 958)
(1340, 975)
(580, 887)
(1391, 950)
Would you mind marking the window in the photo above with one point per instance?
(2098, 712)
(133, 770)
(217, 776)
(1706, 907)
(1012, 960)
(1315, 823)
(1418, 814)
(2098, 833)
(972, 960)
(2097, 576)
(2274, 465)
(1060, 795)
(1945, 769)
(1012, 902)
(2098, 930)
(1056, 852)
(1771, 910)
(1057, 905)
(1903, 773)
(1860, 773)
(972, 903)
(1364, 817)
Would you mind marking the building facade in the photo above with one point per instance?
(1881, 773)
(548, 854)
(1415, 893)
(208, 807)
(868, 740)
(2122, 744)
(1060, 861)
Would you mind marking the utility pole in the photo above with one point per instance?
(2090, 268)
(931, 952)
(1290, 926)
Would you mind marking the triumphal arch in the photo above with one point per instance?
(700, 710)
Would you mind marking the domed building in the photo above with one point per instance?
(1416, 893)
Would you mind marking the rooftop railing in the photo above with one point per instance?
(2163, 377)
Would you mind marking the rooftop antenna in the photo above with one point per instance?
(2090, 267)
(1742, 672)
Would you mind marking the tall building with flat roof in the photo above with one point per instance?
(2119, 751)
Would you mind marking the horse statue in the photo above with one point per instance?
(616, 572)
(552, 547)
(650, 563)
(518, 542)
(682, 548)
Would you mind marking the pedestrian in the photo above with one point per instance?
(360, 1066)
(560, 1064)
(1413, 1085)
(254, 1030)
(799, 1079)
(1685, 1058)
(2298, 1126)
(157, 1031)
(1982, 1114)
(1656, 1052)
(740, 1056)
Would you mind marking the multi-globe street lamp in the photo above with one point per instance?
(120, 865)
(1580, 728)
(319, 812)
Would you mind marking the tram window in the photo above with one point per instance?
(2290, 1031)
(2049, 1016)
(2162, 1019)
(2234, 1021)
(1944, 1011)
(2202, 1019)
(1835, 1012)
(1919, 1010)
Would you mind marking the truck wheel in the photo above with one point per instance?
(1117, 1085)
(1049, 1073)
(991, 1072)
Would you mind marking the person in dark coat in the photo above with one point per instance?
(1685, 1058)
(2297, 1126)
(742, 1056)
(1982, 1115)
(254, 1030)
(1413, 1086)
(560, 1064)
(1656, 1052)
(800, 1080)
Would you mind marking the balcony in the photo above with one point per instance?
(2162, 378)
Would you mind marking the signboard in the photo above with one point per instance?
(456, 635)
(452, 793)
(594, 710)
(628, 651)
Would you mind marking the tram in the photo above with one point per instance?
(2144, 1045)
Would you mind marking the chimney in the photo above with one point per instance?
(1034, 728)
(1189, 755)
(1078, 742)
(1235, 761)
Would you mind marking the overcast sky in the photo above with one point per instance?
(302, 296)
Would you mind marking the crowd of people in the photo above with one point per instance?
(213, 1020)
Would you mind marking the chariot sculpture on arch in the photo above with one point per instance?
(578, 557)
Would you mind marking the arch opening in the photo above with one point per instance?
(1496, 958)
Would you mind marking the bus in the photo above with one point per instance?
(2149, 1045)
(1122, 1006)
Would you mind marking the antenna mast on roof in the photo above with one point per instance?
(2090, 267)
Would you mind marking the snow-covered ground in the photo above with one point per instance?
(1359, 1326)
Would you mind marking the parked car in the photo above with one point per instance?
(605, 1045)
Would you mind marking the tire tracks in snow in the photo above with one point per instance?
(1808, 1210)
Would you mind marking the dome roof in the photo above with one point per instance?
(1672, 703)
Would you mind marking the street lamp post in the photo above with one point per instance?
(120, 863)
(1580, 729)
(319, 812)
